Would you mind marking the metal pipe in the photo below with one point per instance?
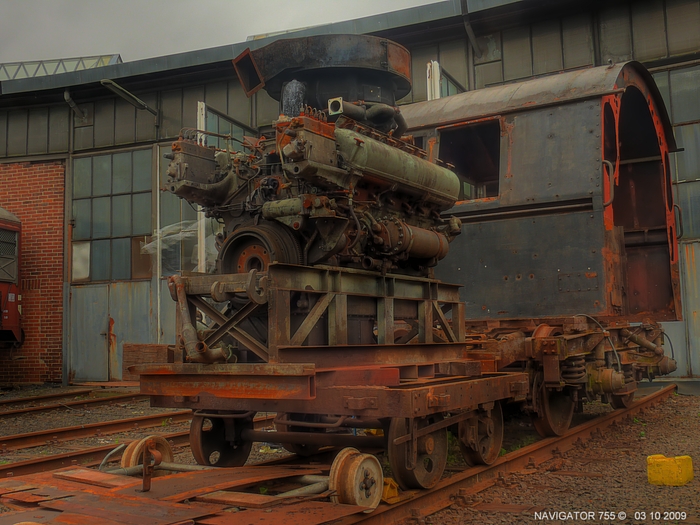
(641, 341)
(194, 348)
(242, 415)
(331, 422)
(172, 467)
(401, 124)
(315, 488)
(338, 106)
(109, 456)
(314, 438)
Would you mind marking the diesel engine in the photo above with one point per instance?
(335, 182)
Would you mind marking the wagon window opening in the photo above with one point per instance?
(610, 135)
(474, 150)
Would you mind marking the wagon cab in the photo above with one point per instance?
(566, 198)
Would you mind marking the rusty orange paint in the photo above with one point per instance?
(507, 129)
(614, 102)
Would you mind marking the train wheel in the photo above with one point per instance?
(432, 454)
(255, 247)
(211, 446)
(556, 412)
(489, 438)
(356, 479)
(296, 448)
(621, 401)
(133, 454)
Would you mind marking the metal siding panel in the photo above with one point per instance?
(479, 5)
(688, 198)
(676, 332)
(89, 323)
(517, 55)
(130, 307)
(684, 94)
(546, 47)
(190, 97)
(688, 161)
(453, 57)
(238, 103)
(578, 41)
(145, 120)
(171, 108)
(661, 80)
(420, 56)
(104, 123)
(488, 74)
(3, 133)
(553, 152)
(490, 46)
(124, 122)
(38, 131)
(17, 133)
(83, 138)
(510, 268)
(266, 109)
(59, 128)
(648, 31)
(615, 34)
(690, 253)
(83, 128)
(683, 17)
(215, 96)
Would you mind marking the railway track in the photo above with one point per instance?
(107, 400)
(420, 504)
(104, 428)
(44, 397)
(93, 456)
(471, 481)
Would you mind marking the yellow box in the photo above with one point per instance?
(674, 472)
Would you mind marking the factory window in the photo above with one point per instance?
(217, 122)
(111, 216)
(474, 150)
(179, 234)
(448, 85)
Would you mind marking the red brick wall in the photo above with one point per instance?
(34, 192)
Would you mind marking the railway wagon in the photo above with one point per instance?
(567, 219)
(325, 308)
(10, 295)
(566, 202)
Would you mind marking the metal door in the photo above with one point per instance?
(89, 333)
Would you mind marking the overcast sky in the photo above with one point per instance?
(136, 29)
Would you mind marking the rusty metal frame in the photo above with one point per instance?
(331, 287)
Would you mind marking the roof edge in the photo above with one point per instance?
(364, 25)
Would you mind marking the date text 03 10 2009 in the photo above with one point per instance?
(590, 515)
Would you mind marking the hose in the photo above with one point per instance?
(617, 357)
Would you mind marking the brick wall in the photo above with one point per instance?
(34, 192)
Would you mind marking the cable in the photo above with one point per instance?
(673, 354)
(619, 365)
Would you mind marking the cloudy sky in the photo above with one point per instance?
(136, 29)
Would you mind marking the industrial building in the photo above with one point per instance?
(82, 144)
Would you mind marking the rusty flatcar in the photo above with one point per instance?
(10, 295)
(325, 308)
